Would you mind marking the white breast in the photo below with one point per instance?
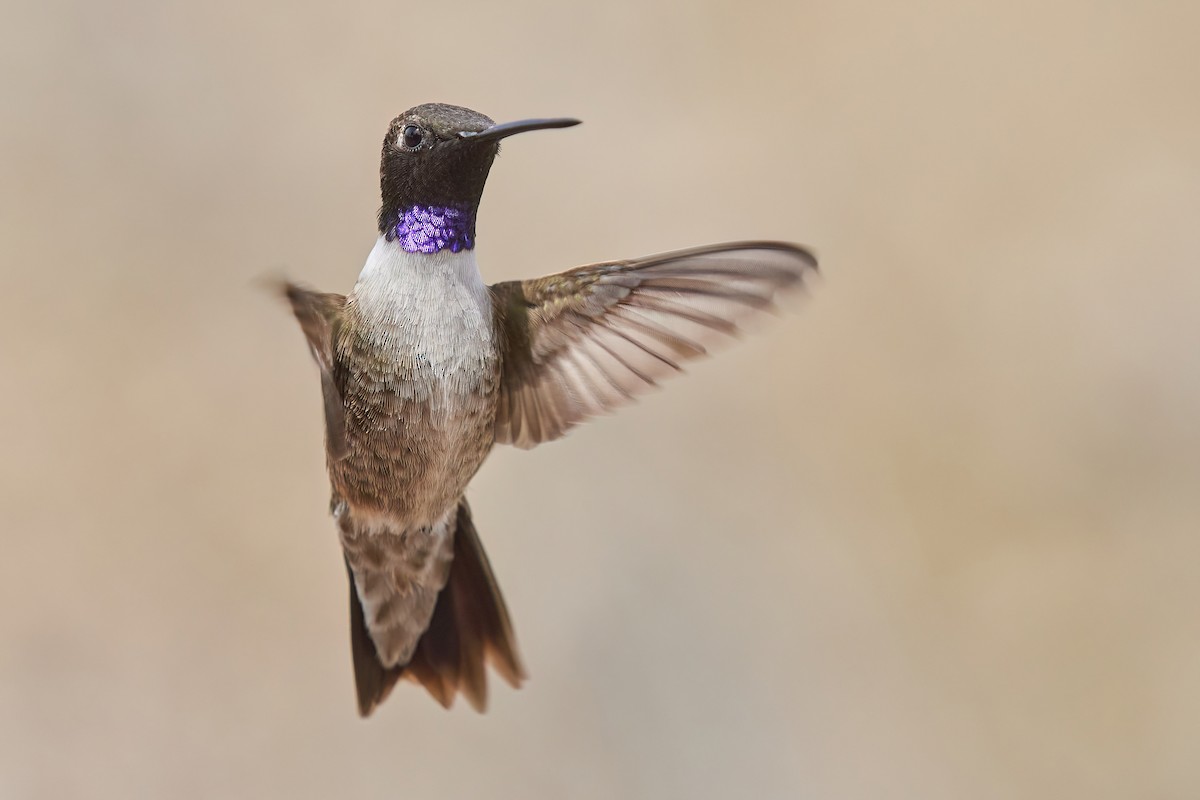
(430, 310)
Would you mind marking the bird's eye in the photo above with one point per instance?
(411, 136)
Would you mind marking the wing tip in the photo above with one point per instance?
(276, 284)
(806, 253)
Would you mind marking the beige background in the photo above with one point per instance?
(935, 536)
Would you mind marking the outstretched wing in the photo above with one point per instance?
(588, 340)
(318, 314)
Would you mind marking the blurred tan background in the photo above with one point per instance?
(934, 536)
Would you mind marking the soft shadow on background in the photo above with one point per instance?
(932, 536)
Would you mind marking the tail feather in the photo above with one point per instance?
(372, 679)
(470, 627)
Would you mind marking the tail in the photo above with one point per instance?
(470, 627)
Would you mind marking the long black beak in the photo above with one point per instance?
(497, 132)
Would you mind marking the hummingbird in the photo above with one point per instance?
(424, 368)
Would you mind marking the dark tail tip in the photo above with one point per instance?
(470, 628)
(373, 681)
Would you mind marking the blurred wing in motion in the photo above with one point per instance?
(587, 341)
(318, 314)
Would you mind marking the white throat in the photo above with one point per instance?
(390, 263)
(434, 307)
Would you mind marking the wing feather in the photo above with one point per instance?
(587, 341)
(318, 314)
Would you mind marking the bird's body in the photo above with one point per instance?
(420, 406)
(424, 368)
(420, 333)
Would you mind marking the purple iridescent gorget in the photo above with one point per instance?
(431, 229)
